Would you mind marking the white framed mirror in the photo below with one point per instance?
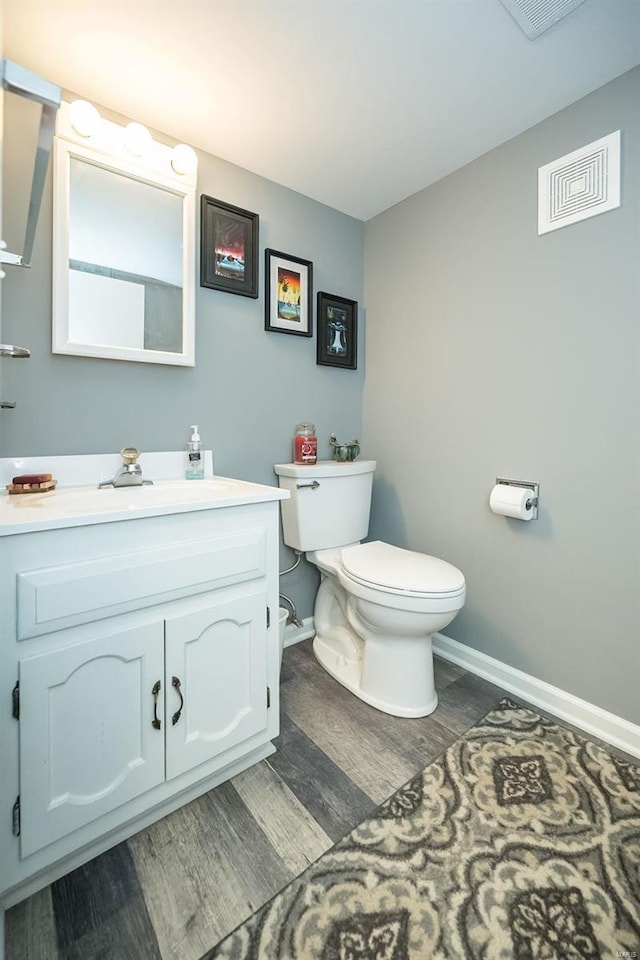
(124, 246)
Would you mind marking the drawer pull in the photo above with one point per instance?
(155, 690)
(175, 683)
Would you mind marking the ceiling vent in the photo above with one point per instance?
(536, 16)
(580, 184)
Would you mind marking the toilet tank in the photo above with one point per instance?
(330, 503)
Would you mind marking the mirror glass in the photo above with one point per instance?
(123, 259)
(125, 276)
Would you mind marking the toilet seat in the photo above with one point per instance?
(394, 570)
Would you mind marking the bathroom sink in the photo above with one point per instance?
(71, 506)
(132, 498)
(162, 491)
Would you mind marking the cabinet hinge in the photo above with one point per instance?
(16, 818)
(268, 617)
(268, 697)
(15, 701)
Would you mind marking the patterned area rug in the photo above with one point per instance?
(522, 842)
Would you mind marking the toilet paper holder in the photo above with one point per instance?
(532, 501)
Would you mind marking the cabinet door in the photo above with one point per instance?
(87, 741)
(219, 657)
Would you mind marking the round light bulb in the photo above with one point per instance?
(137, 139)
(84, 118)
(184, 159)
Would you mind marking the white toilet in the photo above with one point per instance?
(377, 606)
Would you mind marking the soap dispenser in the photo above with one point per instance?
(195, 456)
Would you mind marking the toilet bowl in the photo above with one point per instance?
(376, 611)
(378, 605)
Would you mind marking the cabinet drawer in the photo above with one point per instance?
(55, 598)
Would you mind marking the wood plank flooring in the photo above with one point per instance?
(174, 890)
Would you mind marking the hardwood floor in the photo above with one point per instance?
(174, 890)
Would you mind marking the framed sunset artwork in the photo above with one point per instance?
(288, 294)
(228, 248)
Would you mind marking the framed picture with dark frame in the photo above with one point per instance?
(337, 336)
(228, 248)
(288, 304)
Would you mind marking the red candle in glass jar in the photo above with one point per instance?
(305, 443)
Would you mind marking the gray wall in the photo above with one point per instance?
(248, 389)
(492, 351)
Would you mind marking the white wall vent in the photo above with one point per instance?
(536, 16)
(582, 184)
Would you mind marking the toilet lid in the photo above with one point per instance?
(405, 571)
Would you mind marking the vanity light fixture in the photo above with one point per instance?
(137, 139)
(84, 118)
(184, 159)
(79, 122)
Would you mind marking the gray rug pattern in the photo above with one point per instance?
(521, 842)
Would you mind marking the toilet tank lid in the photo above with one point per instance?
(400, 569)
(325, 468)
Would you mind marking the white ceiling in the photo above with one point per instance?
(356, 103)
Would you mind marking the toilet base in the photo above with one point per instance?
(349, 674)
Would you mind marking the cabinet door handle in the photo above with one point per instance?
(175, 683)
(155, 690)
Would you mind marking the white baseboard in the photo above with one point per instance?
(293, 634)
(586, 716)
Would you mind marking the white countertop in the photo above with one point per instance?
(83, 505)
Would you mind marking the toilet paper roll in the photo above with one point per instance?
(509, 501)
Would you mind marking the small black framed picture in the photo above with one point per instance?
(337, 337)
(228, 247)
(288, 294)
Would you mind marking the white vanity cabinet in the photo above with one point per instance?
(221, 654)
(85, 748)
(139, 664)
(106, 719)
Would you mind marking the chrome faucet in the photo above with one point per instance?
(129, 474)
